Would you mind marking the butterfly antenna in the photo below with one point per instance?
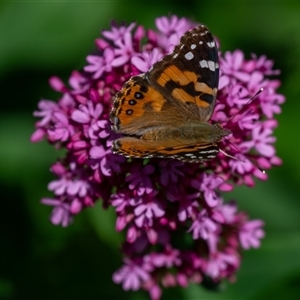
(247, 103)
(251, 160)
(228, 155)
(254, 162)
(234, 146)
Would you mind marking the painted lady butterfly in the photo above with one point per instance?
(165, 111)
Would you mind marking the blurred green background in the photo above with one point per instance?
(41, 39)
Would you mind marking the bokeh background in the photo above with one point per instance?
(41, 39)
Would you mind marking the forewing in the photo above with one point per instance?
(190, 74)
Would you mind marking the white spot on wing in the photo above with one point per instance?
(193, 46)
(209, 151)
(189, 55)
(211, 65)
(211, 44)
(200, 42)
(203, 63)
(208, 64)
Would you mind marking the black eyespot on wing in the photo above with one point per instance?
(132, 102)
(143, 89)
(138, 95)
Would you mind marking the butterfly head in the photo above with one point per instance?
(220, 132)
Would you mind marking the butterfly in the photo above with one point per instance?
(165, 111)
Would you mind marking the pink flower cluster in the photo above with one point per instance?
(178, 228)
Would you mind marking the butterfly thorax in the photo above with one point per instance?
(192, 133)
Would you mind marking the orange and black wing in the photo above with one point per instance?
(190, 74)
